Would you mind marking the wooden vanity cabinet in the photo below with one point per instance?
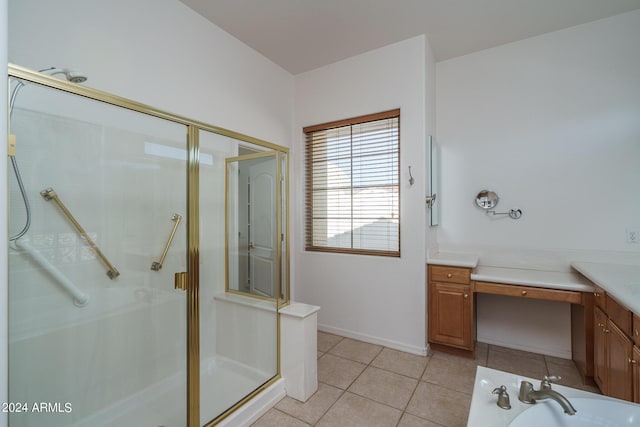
(599, 297)
(636, 374)
(619, 315)
(620, 351)
(450, 301)
(600, 363)
(635, 361)
(613, 355)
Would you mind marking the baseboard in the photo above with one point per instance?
(561, 353)
(420, 351)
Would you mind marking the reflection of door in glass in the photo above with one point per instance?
(262, 227)
(252, 209)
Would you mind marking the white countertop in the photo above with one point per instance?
(454, 259)
(542, 279)
(299, 310)
(622, 281)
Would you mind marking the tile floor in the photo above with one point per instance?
(366, 385)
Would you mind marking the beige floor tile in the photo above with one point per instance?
(435, 391)
(482, 352)
(480, 358)
(275, 418)
(559, 361)
(385, 387)
(409, 420)
(569, 374)
(514, 352)
(457, 375)
(337, 371)
(481, 361)
(400, 362)
(512, 362)
(355, 411)
(315, 407)
(326, 341)
(590, 388)
(356, 350)
(440, 405)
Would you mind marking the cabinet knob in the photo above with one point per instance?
(633, 362)
(637, 332)
(600, 324)
(449, 275)
(595, 294)
(524, 293)
(466, 296)
(606, 331)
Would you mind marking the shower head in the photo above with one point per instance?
(73, 76)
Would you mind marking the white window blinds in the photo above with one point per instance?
(352, 185)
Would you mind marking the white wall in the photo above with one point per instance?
(158, 52)
(431, 234)
(376, 299)
(551, 124)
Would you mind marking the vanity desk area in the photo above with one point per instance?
(605, 312)
(455, 279)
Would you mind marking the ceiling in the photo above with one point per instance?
(301, 35)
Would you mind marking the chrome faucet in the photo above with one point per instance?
(529, 395)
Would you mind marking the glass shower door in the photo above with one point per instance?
(238, 330)
(97, 332)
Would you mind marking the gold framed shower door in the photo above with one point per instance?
(193, 231)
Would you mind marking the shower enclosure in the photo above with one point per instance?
(143, 290)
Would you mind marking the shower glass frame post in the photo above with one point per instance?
(193, 218)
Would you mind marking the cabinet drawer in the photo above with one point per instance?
(636, 332)
(619, 315)
(528, 292)
(599, 297)
(440, 273)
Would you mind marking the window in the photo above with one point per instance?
(352, 185)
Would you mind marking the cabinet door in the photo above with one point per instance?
(450, 315)
(599, 298)
(600, 350)
(636, 374)
(619, 351)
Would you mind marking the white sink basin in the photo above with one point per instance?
(593, 409)
(591, 412)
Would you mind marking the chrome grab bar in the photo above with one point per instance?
(49, 194)
(157, 265)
